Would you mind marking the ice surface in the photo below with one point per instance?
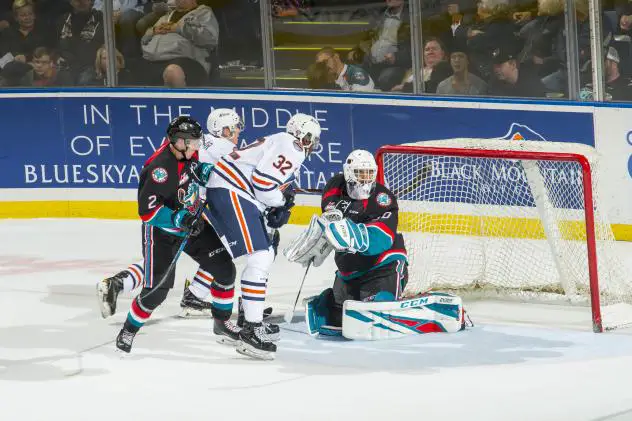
(521, 362)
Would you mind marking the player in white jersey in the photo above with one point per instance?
(247, 187)
(224, 127)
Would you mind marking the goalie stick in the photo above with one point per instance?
(289, 315)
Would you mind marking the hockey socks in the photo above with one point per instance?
(201, 285)
(143, 306)
(133, 279)
(254, 295)
(222, 300)
(137, 316)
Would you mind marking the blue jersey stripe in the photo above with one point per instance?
(269, 177)
(231, 182)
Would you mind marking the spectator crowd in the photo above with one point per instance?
(496, 48)
(173, 43)
(491, 47)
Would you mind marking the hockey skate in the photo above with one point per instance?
(227, 332)
(124, 340)
(107, 292)
(255, 342)
(192, 306)
(272, 329)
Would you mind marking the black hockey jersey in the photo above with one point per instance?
(380, 214)
(165, 187)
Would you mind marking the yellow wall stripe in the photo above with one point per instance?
(505, 227)
(70, 209)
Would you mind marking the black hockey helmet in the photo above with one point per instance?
(184, 127)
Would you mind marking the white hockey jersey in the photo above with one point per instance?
(213, 148)
(257, 171)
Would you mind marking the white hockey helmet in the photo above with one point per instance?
(360, 171)
(306, 130)
(222, 118)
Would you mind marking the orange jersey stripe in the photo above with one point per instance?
(260, 181)
(242, 221)
(231, 175)
(204, 276)
(252, 291)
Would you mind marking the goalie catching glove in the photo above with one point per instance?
(344, 234)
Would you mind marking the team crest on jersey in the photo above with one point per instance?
(159, 175)
(183, 178)
(190, 198)
(383, 199)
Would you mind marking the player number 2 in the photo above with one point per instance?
(152, 201)
(282, 164)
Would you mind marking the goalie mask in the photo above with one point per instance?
(360, 171)
(223, 119)
(306, 130)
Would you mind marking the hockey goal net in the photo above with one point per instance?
(508, 219)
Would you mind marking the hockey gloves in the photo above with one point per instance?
(184, 220)
(200, 172)
(345, 235)
(279, 216)
(289, 194)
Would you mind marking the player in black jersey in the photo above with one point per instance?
(360, 222)
(168, 201)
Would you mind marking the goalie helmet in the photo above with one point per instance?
(223, 118)
(360, 172)
(306, 130)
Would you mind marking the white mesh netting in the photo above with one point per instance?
(505, 227)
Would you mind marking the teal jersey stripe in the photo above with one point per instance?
(379, 241)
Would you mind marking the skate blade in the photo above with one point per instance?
(224, 340)
(121, 354)
(104, 307)
(190, 313)
(249, 351)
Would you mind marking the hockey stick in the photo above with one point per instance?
(172, 265)
(289, 315)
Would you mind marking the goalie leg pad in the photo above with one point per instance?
(317, 312)
(432, 312)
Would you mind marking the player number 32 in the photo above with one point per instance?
(282, 164)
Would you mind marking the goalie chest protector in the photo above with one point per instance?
(381, 207)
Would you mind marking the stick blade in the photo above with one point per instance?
(288, 316)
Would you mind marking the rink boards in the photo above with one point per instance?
(86, 150)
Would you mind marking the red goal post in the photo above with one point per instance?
(476, 153)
